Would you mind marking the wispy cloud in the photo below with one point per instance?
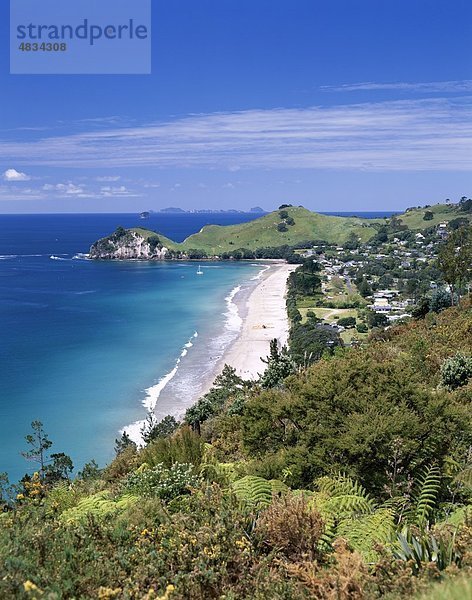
(109, 178)
(463, 85)
(427, 134)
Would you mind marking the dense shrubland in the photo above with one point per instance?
(349, 478)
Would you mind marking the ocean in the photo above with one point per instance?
(89, 347)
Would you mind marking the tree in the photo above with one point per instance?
(40, 444)
(154, 429)
(346, 414)
(375, 319)
(455, 259)
(309, 341)
(4, 489)
(282, 227)
(279, 366)
(428, 215)
(364, 288)
(60, 468)
(465, 204)
(122, 443)
(226, 385)
(90, 471)
(347, 322)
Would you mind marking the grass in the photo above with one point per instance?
(262, 232)
(441, 212)
(453, 589)
(146, 233)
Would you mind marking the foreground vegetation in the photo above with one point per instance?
(342, 473)
(349, 478)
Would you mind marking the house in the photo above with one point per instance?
(442, 230)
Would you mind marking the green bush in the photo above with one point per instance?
(185, 446)
(347, 321)
(456, 371)
(160, 482)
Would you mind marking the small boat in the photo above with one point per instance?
(199, 272)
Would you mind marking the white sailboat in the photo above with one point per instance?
(199, 272)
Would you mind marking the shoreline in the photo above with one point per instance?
(264, 317)
(259, 307)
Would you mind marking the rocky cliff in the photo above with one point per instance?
(126, 244)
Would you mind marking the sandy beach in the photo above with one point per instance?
(264, 318)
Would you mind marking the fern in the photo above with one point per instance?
(425, 495)
(459, 516)
(341, 496)
(257, 492)
(365, 531)
(99, 506)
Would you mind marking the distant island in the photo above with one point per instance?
(176, 210)
(277, 234)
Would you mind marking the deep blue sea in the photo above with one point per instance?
(86, 346)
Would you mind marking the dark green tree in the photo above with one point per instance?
(124, 442)
(90, 471)
(279, 366)
(60, 469)
(39, 445)
(226, 385)
(375, 319)
(154, 429)
(364, 288)
(455, 259)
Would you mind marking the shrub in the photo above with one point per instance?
(292, 526)
(125, 462)
(456, 371)
(282, 227)
(362, 328)
(347, 322)
(160, 482)
(183, 447)
(440, 299)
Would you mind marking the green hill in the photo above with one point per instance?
(295, 225)
(263, 232)
(415, 218)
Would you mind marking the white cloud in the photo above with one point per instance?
(109, 178)
(409, 135)
(110, 191)
(14, 175)
(464, 85)
(69, 189)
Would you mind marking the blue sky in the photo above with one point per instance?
(336, 105)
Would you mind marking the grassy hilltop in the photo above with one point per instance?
(263, 232)
(294, 225)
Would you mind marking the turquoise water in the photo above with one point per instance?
(81, 341)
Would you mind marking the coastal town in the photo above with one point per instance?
(378, 283)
